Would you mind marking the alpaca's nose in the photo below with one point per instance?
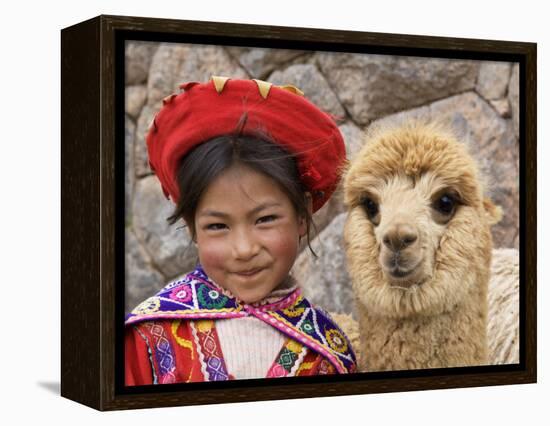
(400, 236)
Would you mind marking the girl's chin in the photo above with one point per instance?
(250, 298)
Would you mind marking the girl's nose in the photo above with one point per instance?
(244, 245)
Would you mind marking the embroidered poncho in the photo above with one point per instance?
(171, 337)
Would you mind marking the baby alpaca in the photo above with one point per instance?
(418, 247)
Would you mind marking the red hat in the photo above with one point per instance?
(204, 111)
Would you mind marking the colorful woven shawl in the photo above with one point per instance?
(195, 296)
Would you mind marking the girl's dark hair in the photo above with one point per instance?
(207, 161)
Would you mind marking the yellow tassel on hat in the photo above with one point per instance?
(293, 89)
(264, 87)
(219, 82)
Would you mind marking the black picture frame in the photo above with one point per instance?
(92, 208)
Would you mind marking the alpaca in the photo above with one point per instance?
(418, 247)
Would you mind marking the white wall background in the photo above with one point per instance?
(30, 213)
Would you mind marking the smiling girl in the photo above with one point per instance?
(246, 163)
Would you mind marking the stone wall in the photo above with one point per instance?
(479, 99)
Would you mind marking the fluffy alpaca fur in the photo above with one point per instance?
(503, 311)
(418, 247)
(503, 322)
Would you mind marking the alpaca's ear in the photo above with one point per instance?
(492, 212)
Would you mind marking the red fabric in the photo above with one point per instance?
(137, 370)
(187, 359)
(200, 113)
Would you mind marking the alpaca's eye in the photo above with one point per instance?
(445, 204)
(370, 207)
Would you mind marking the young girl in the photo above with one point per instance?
(246, 163)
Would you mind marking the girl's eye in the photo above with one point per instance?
(266, 219)
(215, 226)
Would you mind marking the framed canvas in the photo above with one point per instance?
(118, 250)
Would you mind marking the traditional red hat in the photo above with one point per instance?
(203, 111)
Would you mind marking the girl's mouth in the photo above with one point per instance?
(249, 273)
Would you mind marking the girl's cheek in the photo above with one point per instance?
(284, 243)
(211, 253)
